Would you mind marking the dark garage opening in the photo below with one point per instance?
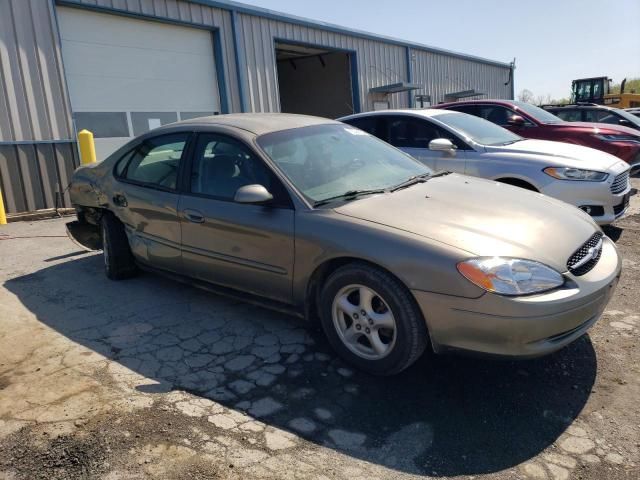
(314, 81)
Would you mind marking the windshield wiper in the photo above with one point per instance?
(411, 181)
(418, 179)
(349, 195)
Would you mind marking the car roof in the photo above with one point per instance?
(256, 123)
(579, 105)
(416, 112)
(479, 102)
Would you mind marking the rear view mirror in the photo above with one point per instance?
(516, 121)
(442, 145)
(252, 194)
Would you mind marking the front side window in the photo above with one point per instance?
(412, 133)
(497, 114)
(596, 115)
(156, 161)
(324, 161)
(221, 165)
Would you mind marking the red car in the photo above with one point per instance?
(530, 121)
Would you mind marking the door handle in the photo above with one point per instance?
(193, 216)
(120, 200)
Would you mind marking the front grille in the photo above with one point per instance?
(620, 183)
(577, 264)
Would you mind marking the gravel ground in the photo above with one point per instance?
(148, 378)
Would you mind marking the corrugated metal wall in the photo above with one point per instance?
(35, 176)
(37, 153)
(442, 74)
(379, 63)
(33, 95)
(34, 109)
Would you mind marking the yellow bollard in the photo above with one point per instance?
(3, 215)
(87, 147)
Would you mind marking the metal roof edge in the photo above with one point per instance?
(285, 17)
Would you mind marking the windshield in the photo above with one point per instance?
(538, 113)
(325, 161)
(477, 129)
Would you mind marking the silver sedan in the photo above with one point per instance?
(590, 179)
(323, 220)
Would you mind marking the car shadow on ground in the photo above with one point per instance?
(449, 415)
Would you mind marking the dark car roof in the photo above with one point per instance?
(471, 102)
(256, 123)
(577, 105)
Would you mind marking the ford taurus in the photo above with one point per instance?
(321, 219)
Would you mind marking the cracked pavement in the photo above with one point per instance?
(149, 378)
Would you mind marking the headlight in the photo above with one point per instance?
(614, 137)
(565, 173)
(510, 276)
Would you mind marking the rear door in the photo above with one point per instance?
(145, 198)
(242, 246)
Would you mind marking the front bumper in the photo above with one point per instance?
(593, 194)
(527, 326)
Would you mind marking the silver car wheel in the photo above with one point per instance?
(364, 322)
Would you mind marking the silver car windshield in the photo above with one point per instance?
(478, 129)
(326, 161)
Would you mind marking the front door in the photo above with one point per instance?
(243, 246)
(145, 199)
(413, 135)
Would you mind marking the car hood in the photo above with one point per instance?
(583, 156)
(481, 217)
(599, 127)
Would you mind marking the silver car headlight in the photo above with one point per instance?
(566, 173)
(510, 276)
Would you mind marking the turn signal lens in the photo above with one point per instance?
(510, 276)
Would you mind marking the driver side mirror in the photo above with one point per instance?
(442, 145)
(252, 194)
(516, 121)
(624, 122)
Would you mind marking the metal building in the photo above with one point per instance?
(122, 67)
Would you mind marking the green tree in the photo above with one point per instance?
(632, 86)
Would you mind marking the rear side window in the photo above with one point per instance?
(470, 109)
(569, 114)
(155, 162)
(372, 125)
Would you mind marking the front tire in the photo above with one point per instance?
(371, 319)
(118, 259)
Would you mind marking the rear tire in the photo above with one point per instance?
(118, 259)
(372, 320)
